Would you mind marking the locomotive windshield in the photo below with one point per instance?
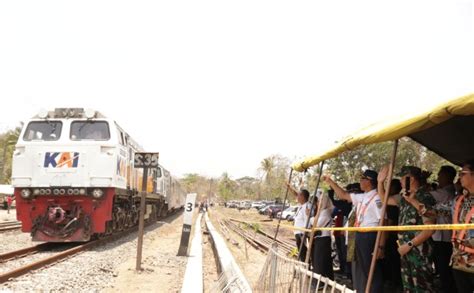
(91, 130)
(43, 130)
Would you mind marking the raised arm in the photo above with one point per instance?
(341, 193)
(381, 182)
(291, 189)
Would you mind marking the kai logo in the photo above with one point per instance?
(60, 160)
(121, 167)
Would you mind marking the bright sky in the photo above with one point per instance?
(217, 86)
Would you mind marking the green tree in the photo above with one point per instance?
(247, 187)
(348, 166)
(226, 187)
(201, 185)
(274, 172)
(7, 142)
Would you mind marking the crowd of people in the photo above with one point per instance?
(407, 260)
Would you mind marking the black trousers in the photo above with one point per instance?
(364, 247)
(464, 281)
(392, 276)
(341, 252)
(442, 252)
(299, 239)
(322, 260)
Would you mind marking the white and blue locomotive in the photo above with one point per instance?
(74, 177)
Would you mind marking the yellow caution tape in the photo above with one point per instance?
(379, 228)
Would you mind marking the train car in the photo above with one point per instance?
(73, 178)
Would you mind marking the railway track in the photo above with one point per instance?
(10, 225)
(255, 237)
(65, 252)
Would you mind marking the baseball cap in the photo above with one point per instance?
(410, 170)
(370, 174)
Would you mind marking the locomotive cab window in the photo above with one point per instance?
(90, 130)
(43, 130)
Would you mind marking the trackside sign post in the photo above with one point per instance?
(187, 224)
(145, 161)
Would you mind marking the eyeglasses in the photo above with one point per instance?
(463, 172)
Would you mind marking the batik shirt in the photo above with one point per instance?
(461, 259)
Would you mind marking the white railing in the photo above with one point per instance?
(283, 274)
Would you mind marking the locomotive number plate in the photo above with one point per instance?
(146, 160)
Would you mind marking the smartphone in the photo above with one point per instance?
(407, 185)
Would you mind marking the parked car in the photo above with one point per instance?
(231, 204)
(263, 211)
(244, 205)
(274, 209)
(258, 205)
(291, 211)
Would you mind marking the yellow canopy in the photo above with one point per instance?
(448, 130)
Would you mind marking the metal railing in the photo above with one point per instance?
(283, 274)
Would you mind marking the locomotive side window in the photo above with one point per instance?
(92, 130)
(120, 137)
(43, 130)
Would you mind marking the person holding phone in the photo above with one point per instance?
(416, 208)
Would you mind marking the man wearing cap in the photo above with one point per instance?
(368, 212)
(416, 208)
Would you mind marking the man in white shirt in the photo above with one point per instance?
(301, 218)
(368, 212)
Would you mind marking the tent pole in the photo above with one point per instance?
(312, 209)
(283, 208)
(382, 216)
(315, 222)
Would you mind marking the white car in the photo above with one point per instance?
(289, 212)
(258, 205)
(244, 205)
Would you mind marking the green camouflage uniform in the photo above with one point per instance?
(416, 265)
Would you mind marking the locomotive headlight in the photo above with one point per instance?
(76, 191)
(97, 193)
(62, 191)
(56, 191)
(36, 191)
(82, 191)
(26, 193)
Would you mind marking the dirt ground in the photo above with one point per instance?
(163, 271)
(5, 216)
(249, 259)
(266, 224)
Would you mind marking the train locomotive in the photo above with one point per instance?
(74, 178)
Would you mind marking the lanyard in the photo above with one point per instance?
(361, 214)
